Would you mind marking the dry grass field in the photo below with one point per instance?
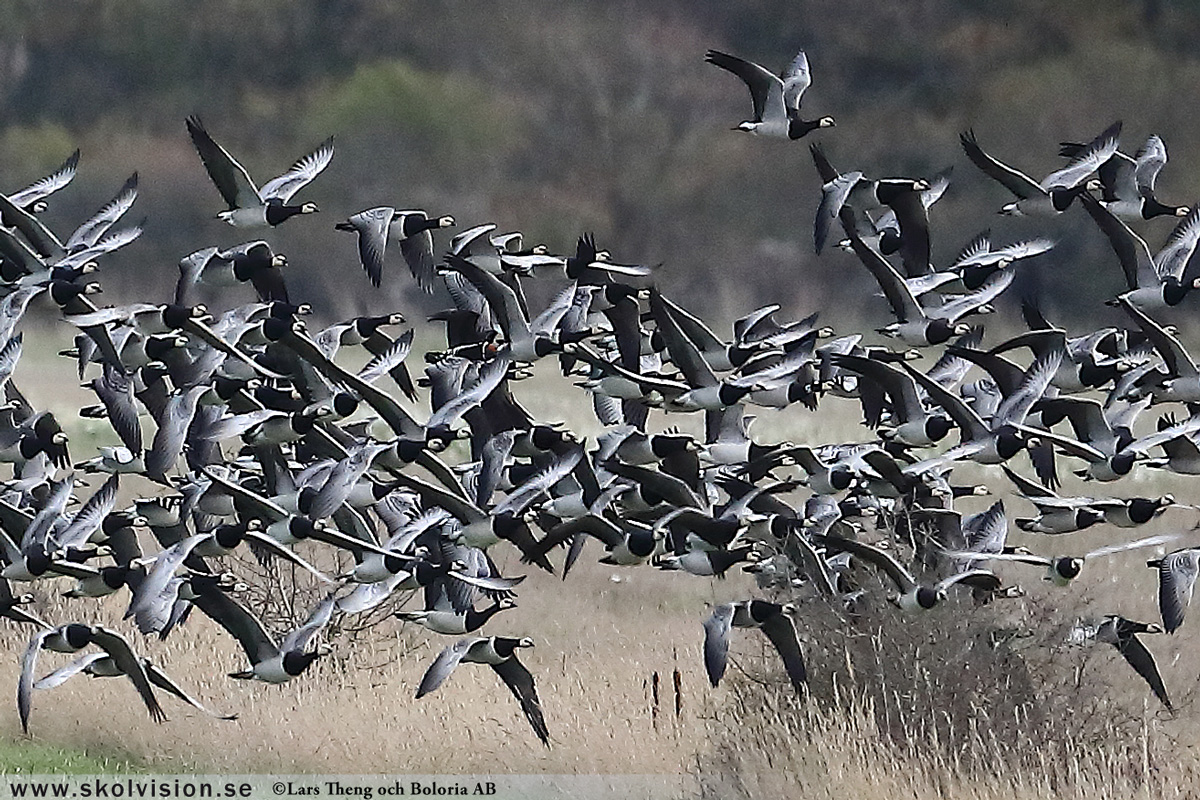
(962, 702)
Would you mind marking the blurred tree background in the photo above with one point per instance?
(559, 118)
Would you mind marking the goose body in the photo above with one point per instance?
(250, 206)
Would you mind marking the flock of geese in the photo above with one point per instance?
(264, 439)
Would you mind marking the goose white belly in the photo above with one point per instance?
(484, 653)
(447, 622)
(271, 670)
(1040, 205)
(725, 453)
(822, 483)
(988, 454)
(696, 563)
(371, 570)
(912, 333)
(104, 668)
(1147, 298)
(707, 398)
(370, 595)
(1128, 210)
(124, 463)
(568, 506)
(1060, 520)
(92, 586)
(776, 397)
(913, 433)
(281, 532)
(251, 217)
(908, 602)
(1053, 576)
(773, 128)
(616, 386)
(1120, 518)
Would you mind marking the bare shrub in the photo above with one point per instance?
(938, 705)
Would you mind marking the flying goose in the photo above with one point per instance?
(506, 520)
(86, 243)
(72, 638)
(1056, 191)
(720, 355)
(1004, 434)
(985, 532)
(33, 197)
(500, 254)
(500, 653)
(1061, 570)
(269, 662)
(845, 195)
(282, 525)
(1181, 380)
(776, 97)
(36, 554)
(912, 595)
(436, 431)
(910, 423)
(411, 229)
(1122, 634)
(102, 665)
(727, 442)
(1128, 181)
(1155, 280)
(115, 391)
(254, 262)
(885, 233)
(1057, 515)
(1089, 362)
(705, 391)
(772, 619)
(592, 267)
(155, 595)
(975, 264)
(527, 340)
(1069, 514)
(708, 563)
(10, 606)
(1179, 442)
(1177, 573)
(627, 542)
(440, 616)
(916, 325)
(250, 206)
(169, 439)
